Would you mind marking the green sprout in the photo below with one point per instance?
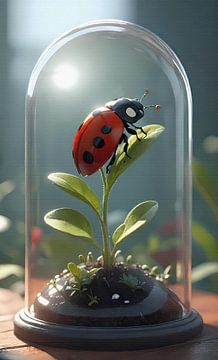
(131, 281)
(157, 273)
(93, 299)
(76, 224)
(81, 276)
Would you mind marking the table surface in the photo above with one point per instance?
(205, 347)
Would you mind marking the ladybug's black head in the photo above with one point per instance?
(129, 110)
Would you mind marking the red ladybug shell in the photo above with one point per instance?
(96, 140)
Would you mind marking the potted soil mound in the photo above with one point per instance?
(122, 296)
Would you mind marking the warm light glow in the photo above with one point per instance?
(65, 76)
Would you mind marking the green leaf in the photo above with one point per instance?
(75, 270)
(118, 232)
(135, 149)
(136, 218)
(167, 269)
(206, 240)
(7, 270)
(93, 271)
(71, 222)
(204, 270)
(206, 184)
(76, 187)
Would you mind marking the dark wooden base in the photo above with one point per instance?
(32, 330)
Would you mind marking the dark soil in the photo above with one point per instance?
(109, 288)
(123, 296)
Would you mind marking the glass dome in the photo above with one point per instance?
(126, 274)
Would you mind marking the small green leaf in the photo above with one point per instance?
(136, 218)
(71, 222)
(144, 211)
(135, 149)
(129, 259)
(75, 270)
(167, 270)
(81, 258)
(154, 270)
(76, 187)
(93, 271)
(89, 258)
(204, 270)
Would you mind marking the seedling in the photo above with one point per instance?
(75, 223)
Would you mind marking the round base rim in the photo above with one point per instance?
(35, 331)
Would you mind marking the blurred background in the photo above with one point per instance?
(190, 28)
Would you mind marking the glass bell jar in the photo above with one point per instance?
(108, 193)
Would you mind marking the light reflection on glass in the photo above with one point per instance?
(65, 76)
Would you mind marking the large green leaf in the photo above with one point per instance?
(77, 188)
(206, 240)
(204, 270)
(206, 184)
(135, 149)
(136, 218)
(71, 222)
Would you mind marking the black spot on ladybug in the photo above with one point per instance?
(106, 129)
(98, 142)
(88, 157)
(96, 112)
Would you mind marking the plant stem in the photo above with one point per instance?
(104, 225)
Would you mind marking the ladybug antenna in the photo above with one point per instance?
(146, 92)
(156, 106)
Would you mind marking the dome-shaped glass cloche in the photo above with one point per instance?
(108, 192)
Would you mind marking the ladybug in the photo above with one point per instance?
(102, 131)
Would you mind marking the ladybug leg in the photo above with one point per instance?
(124, 139)
(111, 162)
(131, 131)
(139, 127)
